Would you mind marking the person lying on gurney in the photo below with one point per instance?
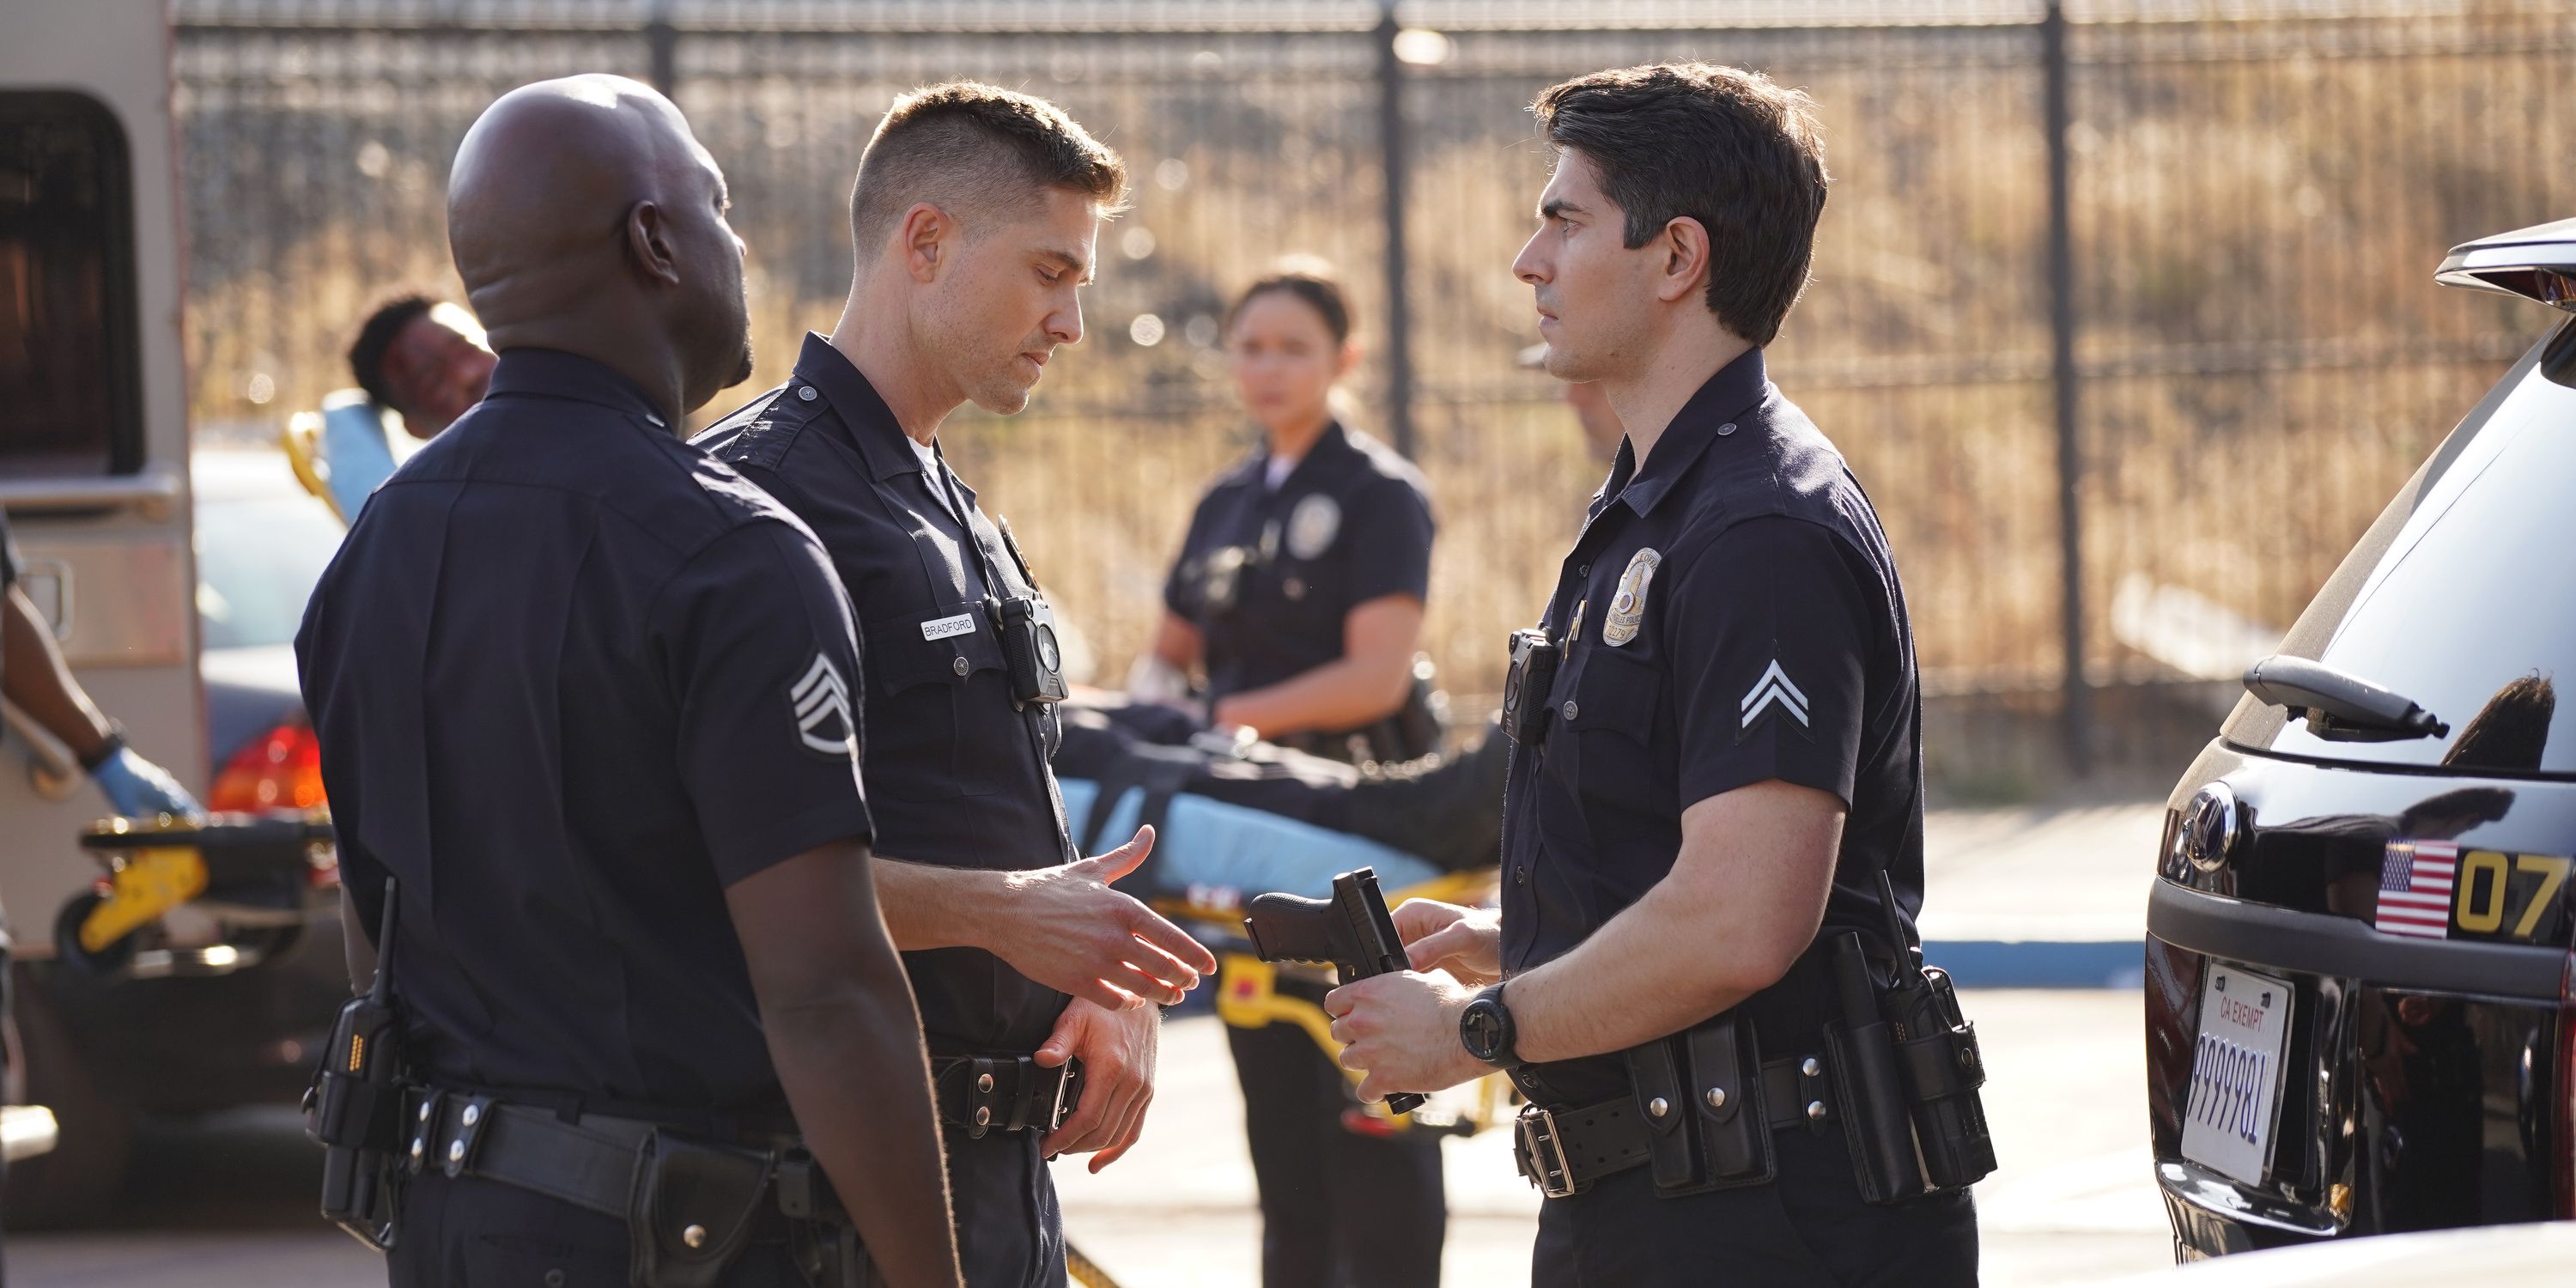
(1240, 819)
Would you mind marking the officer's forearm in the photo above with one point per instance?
(845, 1037)
(1742, 901)
(854, 1073)
(1337, 695)
(1368, 682)
(927, 906)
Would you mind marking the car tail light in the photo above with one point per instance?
(280, 769)
(2563, 1166)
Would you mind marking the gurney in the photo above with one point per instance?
(259, 878)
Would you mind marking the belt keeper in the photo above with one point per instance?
(1024, 1107)
(979, 1099)
(424, 1129)
(470, 1122)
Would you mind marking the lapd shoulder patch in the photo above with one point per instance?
(1312, 525)
(1628, 607)
(822, 704)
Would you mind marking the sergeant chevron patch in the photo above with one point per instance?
(822, 703)
(1773, 689)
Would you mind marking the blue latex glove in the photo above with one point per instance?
(137, 788)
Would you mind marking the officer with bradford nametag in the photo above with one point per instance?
(582, 698)
(1703, 974)
(975, 215)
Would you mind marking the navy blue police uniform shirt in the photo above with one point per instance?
(572, 678)
(956, 775)
(1731, 616)
(1268, 576)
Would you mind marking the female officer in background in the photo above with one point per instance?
(1299, 588)
(1299, 593)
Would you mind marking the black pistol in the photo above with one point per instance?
(1350, 932)
(358, 1102)
(1943, 1067)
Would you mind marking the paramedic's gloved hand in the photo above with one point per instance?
(137, 788)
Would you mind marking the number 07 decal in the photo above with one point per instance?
(2494, 887)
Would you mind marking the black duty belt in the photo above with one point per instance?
(1004, 1093)
(591, 1161)
(1564, 1151)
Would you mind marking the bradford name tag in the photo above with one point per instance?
(1628, 607)
(961, 624)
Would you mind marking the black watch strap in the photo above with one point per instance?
(106, 750)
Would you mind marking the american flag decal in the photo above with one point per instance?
(2415, 888)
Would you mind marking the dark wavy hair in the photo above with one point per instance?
(1727, 147)
(376, 336)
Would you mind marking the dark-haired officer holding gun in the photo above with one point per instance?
(1702, 974)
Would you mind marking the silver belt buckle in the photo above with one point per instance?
(1542, 1154)
(1063, 1084)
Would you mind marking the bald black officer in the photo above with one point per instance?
(584, 693)
(1708, 789)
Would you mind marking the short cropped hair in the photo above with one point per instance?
(1727, 147)
(1310, 280)
(970, 146)
(376, 336)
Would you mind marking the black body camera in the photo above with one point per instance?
(1026, 628)
(357, 1101)
(1527, 685)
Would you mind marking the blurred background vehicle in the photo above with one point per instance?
(2361, 994)
(262, 542)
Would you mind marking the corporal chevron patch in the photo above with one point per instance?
(1773, 690)
(822, 703)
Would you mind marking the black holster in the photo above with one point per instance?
(1906, 1073)
(1944, 1070)
(694, 1207)
(1869, 1087)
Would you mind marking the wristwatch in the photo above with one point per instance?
(1485, 1029)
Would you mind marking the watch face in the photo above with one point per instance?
(1482, 1031)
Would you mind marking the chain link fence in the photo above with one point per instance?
(2232, 358)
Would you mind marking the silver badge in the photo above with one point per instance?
(1312, 525)
(1628, 607)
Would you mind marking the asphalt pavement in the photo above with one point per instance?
(228, 1202)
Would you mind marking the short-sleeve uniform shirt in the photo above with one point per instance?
(1731, 615)
(1268, 575)
(956, 775)
(572, 678)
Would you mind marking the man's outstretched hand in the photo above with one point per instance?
(1067, 929)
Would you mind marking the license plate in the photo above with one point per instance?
(2236, 1072)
